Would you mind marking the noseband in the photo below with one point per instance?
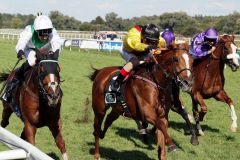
(49, 97)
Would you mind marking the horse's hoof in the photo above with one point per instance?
(194, 141)
(97, 157)
(4, 124)
(233, 129)
(172, 148)
(65, 156)
(200, 133)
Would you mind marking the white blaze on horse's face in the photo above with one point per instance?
(234, 56)
(53, 83)
(186, 58)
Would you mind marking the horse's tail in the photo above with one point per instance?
(4, 76)
(93, 75)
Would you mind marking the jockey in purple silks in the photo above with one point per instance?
(168, 36)
(204, 43)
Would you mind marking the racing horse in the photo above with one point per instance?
(208, 79)
(147, 106)
(38, 100)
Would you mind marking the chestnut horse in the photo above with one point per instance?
(39, 101)
(208, 79)
(144, 95)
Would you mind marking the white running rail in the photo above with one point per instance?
(20, 148)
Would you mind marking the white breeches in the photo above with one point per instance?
(31, 57)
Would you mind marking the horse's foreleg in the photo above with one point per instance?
(222, 96)
(161, 145)
(198, 97)
(55, 128)
(7, 111)
(196, 116)
(111, 117)
(98, 119)
(161, 124)
(29, 132)
(181, 110)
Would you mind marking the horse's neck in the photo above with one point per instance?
(161, 75)
(32, 78)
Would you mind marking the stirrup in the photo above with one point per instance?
(4, 98)
(110, 98)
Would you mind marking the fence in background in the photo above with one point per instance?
(86, 38)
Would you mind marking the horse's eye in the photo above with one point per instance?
(175, 59)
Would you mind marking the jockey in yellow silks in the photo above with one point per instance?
(140, 43)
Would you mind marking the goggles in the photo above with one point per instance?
(44, 32)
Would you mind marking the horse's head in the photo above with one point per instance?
(179, 62)
(49, 79)
(227, 51)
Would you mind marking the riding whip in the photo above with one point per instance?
(5, 83)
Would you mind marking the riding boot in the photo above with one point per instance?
(16, 81)
(116, 82)
(21, 71)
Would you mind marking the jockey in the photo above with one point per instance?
(42, 36)
(204, 43)
(168, 36)
(139, 43)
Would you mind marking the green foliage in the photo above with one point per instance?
(180, 22)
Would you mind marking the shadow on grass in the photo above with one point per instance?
(178, 126)
(112, 154)
(133, 134)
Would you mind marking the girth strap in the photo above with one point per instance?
(147, 80)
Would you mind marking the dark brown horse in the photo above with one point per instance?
(38, 100)
(208, 79)
(145, 96)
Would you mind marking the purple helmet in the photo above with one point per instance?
(211, 33)
(168, 36)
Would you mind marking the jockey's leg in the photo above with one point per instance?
(116, 83)
(19, 76)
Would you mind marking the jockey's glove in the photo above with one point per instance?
(151, 47)
(20, 54)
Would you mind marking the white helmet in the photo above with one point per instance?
(42, 22)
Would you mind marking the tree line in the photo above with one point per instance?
(180, 22)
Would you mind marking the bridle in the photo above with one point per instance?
(176, 74)
(51, 98)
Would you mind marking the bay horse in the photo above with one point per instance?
(208, 79)
(144, 95)
(38, 100)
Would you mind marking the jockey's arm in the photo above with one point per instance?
(211, 50)
(25, 37)
(55, 41)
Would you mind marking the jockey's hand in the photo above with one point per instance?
(151, 48)
(148, 60)
(211, 50)
(20, 54)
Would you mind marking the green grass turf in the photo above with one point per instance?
(122, 141)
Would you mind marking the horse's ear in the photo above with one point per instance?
(233, 37)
